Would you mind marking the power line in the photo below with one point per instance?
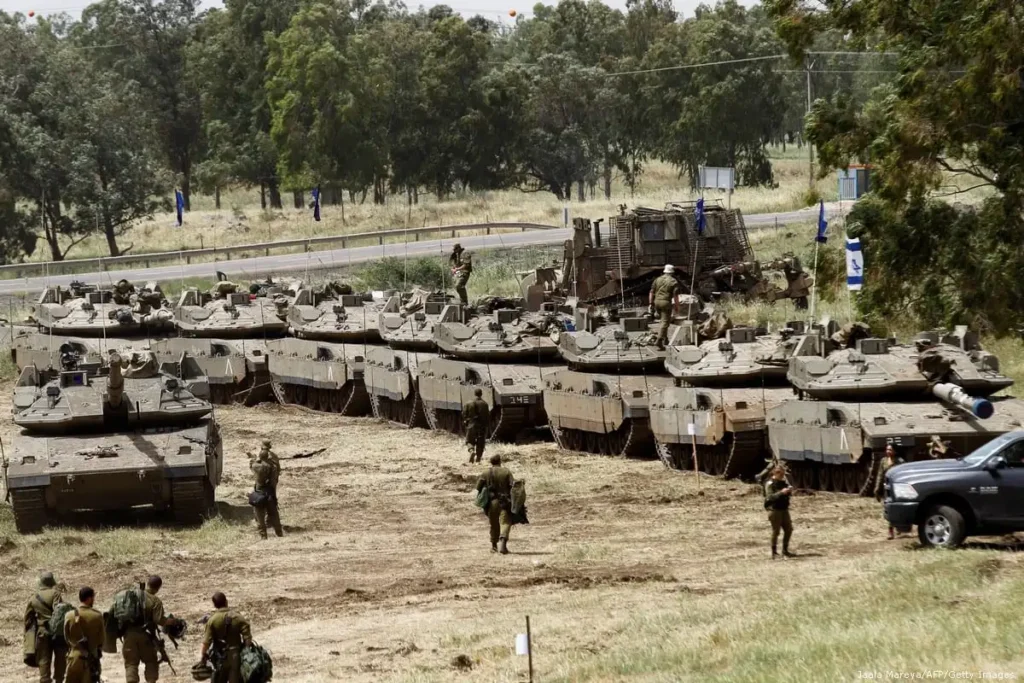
(697, 66)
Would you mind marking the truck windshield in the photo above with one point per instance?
(982, 454)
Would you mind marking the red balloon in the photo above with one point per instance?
(31, 13)
(511, 12)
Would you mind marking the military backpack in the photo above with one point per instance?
(257, 667)
(129, 608)
(55, 626)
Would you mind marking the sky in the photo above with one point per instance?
(488, 8)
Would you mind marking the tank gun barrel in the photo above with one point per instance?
(951, 393)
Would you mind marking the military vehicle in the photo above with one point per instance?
(89, 311)
(47, 350)
(504, 336)
(235, 368)
(392, 381)
(334, 313)
(602, 414)
(410, 325)
(318, 375)
(745, 357)
(109, 438)
(226, 313)
(514, 394)
(624, 345)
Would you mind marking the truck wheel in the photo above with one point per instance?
(942, 527)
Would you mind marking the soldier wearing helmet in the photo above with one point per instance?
(461, 262)
(664, 302)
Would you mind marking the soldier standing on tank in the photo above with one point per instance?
(84, 633)
(50, 657)
(776, 501)
(226, 632)
(123, 291)
(499, 482)
(264, 500)
(476, 418)
(115, 378)
(884, 465)
(461, 262)
(664, 302)
(139, 640)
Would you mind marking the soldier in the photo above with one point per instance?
(461, 262)
(938, 448)
(499, 482)
(49, 656)
(776, 502)
(264, 496)
(476, 419)
(226, 633)
(115, 380)
(140, 641)
(884, 465)
(123, 291)
(272, 457)
(84, 634)
(664, 302)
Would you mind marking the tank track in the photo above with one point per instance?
(406, 413)
(852, 479)
(444, 420)
(351, 400)
(633, 440)
(192, 500)
(30, 516)
(746, 455)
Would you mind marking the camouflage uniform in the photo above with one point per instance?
(84, 633)
(476, 419)
(226, 633)
(777, 504)
(499, 480)
(665, 290)
(139, 646)
(49, 656)
(266, 477)
(462, 266)
(115, 380)
(123, 291)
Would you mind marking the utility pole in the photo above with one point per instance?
(810, 148)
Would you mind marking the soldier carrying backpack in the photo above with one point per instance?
(141, 623)
(227, 634)
(42, 649)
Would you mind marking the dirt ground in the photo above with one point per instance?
(385, 571)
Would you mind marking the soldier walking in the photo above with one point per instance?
(884, 465)
(776, 501)
(664, 302)
(476, 420)
(266, 472)
(461, 262)
(140, 639)
(498, 481)
(226, 633)
(84, 634)
(50, 657)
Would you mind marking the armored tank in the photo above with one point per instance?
(504, 336)
(235, 368)
(626, 345)
(410, 325)
(514, 394)
(742, 358)
(89, 311)
(112, 438)
(226, 313)
(391, 377)
(602, 414)
(53, 350)
(334, 313)
(318, 375)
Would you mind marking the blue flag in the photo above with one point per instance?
(854, 264)
(179, 204)
(316, 204)
(702, 220)
(822, 224)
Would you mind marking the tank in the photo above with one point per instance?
(504, 336)
(627, 345)
(601, 414)
(410, 325)
(319, 376)
(85, 446)
(226, 313)
(235, 368)
(514, 394)
(90, 311)
(48, 350)
(328, 314)
(392, 381)
(742, 358)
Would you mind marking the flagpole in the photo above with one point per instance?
(814, 278)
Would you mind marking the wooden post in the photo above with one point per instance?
(529, 647)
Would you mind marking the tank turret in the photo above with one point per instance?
(337, 314)
(91, 311)
(508, 335)
(226, 312)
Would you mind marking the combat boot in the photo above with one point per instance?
(775, 552)
(494, 547)
(503, 546)
(785, 551)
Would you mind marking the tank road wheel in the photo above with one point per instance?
(942, 527)
(851, 479)
(191, 500)
(300, 394)
(825, 478)
(29, 510)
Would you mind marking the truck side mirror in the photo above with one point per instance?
(996, 463)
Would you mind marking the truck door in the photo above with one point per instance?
(1007, 502)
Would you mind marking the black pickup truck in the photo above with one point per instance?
(948, 500)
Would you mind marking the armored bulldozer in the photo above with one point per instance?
(335, 313)
(504, 336)
(410, 325)
(744, 357)
(235, 368)
(89, 311)
(226, 313)
(601, 414)
(625, 345)
(112, 438)
(318, 375)
(514, 394)
(392, 380)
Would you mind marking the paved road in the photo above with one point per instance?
(259, 267)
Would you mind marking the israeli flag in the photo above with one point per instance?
(854, 264)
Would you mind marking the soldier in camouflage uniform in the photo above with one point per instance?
(476, 418)
(84, 633)
(499, 481)
(266, 471)
(123, 291)
(884, 465)
(776, 501)
(664, 302)
(226, 633)
(115, 380)
(50, 657)
(139, 641)
(461, 262)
